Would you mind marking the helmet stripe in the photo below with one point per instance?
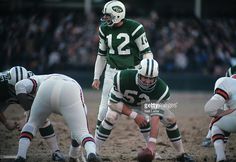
(152, 67)
(21, 73)
(147, 67)
(16, 74)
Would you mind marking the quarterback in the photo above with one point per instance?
(133, 88)
(122, 45)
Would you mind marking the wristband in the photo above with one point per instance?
(151, 139)
(133, 115)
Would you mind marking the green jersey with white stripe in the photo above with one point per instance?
(126, 89)
(123, 46)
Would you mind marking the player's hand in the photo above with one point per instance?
(152, 147)
(140, 120)
(10, 124)
(96, 84)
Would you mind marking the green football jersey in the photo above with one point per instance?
(123, 46)
(128, 91)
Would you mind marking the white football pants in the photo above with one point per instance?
(63, 97)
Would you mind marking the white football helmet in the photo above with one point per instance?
(148, 69)
(231, 71)
(16, 74)
(115, 10)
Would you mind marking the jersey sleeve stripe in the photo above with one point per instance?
(34, 85)
(164, 94)
(100, 31)
(222, 93)
(136, 30)
(118, 81)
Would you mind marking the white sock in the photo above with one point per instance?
(74, 151)
(52, 143)
(99, 144)
(178, 145)
(24, 144)
(90, 147)
(219, 150)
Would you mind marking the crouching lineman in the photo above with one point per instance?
(58, 94)
(224, 121)
(8, 96)
(131, 88)
(207, 140)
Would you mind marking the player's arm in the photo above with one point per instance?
(100, 60)
(215, 105)
(141, 41)
(23, 88)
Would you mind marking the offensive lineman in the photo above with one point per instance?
(60, 94)
(122, 45)
(8, 96)
(224, 121)
(131, 89)
(207, 140)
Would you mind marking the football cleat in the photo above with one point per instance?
(184, 158)
(206, 142)
(93, 158)
(20, 159)
(58, 156)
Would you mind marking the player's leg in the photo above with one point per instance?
(73, 109)
(207, 140)
(220, 129)
(39, 113)
(218, 141)
(106, 128)
(107, 85)
(174, 136)
(47, 132)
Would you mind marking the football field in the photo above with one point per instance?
(125, 140)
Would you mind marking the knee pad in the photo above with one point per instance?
(112, 116)
(168, 120)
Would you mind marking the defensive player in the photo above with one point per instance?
(122, 45)
(207, 140)
(221, 106)
(131, 89)
(8, 96)
(58, 94)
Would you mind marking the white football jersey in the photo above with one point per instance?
(226, 87)
(31, 85)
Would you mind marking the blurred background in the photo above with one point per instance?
(194, 41)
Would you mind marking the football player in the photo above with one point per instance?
(221, 106)
(8, 96)
(122, 45)
(207, 140)
(60, 94)
(131, 89)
